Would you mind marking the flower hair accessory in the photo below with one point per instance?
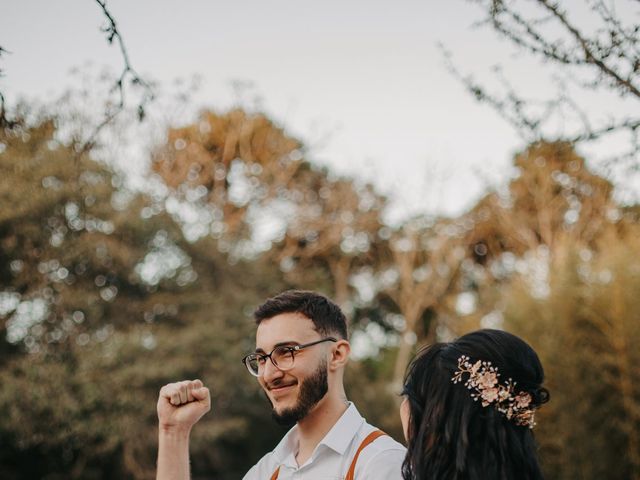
(484, 383)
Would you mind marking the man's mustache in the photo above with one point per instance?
(278, 383)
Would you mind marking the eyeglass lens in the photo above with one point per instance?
(281, 357)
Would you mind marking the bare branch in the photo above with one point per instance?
(589, 54)
(536, 44)
(4, 121)
(510, 107)
(3, 118)
(602, 58)
(616, 28)
(128, 73)
(2, 51)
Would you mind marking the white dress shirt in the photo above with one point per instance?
(331, 459)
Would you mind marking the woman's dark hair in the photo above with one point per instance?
(326, 316)
(453, 437)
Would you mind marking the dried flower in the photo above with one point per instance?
(487, 380)
(484, 382)
(489, 395)
(523, 400)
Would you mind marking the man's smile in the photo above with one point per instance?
(281, 388)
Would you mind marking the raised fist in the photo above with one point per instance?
(182, 404)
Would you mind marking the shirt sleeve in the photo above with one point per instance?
(384, 465)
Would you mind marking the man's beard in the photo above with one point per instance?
(312, 390)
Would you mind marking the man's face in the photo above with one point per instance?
(295, 392)
(405, 417)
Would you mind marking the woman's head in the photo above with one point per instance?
(470, 420)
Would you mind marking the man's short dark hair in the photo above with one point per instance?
(326, 316)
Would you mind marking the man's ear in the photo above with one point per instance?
(339, 355)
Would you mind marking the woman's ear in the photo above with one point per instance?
(339, 355)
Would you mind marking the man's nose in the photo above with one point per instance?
(270, 372)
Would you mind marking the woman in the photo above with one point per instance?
(469, 407)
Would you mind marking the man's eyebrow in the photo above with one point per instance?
(286, 343)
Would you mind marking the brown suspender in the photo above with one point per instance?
(350, 474)
(275, 474)
(370, 438)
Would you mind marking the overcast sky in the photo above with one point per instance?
(366, 73)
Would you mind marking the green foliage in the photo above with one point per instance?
(553, 259)
(90, 365)
(104, 297)
(586, 333)
(65, 275)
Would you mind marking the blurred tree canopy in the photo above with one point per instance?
(108, 293)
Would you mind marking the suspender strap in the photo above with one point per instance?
(275, 474)
(370, 438)
(350, 474)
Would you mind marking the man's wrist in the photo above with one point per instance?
(174, 431)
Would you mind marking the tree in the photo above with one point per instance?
(128, 77)
(552, 259)
(229, 164)
(590, 49)
(102, 302)
(91, 413)
(64, 273)
(71, 244)
(242, 170)
(417, 270)
(585, 330)
(553, 200)
(334, 226)
(553, 196)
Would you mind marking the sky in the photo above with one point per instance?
(362, 83)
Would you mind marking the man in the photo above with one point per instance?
(299, 361)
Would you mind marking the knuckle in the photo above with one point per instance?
(166, 391)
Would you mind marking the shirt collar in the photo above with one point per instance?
(287, 448)
(342, 433)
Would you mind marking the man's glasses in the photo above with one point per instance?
(282, 357)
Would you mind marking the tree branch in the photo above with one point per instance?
(590, 56)
(128, 72)
(601, 59)
(4, 121)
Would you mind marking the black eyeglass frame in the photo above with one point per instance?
(293, 349)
